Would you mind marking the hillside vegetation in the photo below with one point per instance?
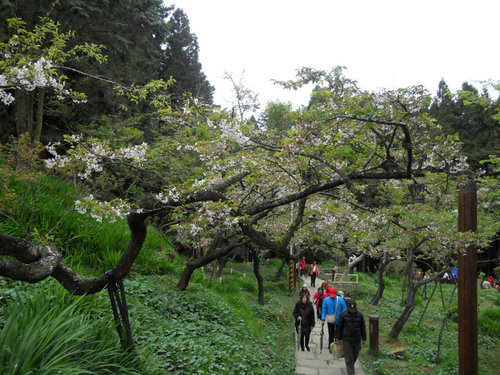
(214, 327)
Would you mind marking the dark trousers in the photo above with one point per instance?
(331, 333)
(313, 279)
(305, 333)
(351, 352)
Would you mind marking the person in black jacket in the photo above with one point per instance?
(304, 315)
(352, 330)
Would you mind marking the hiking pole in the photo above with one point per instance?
(299, 333)
(321, 341)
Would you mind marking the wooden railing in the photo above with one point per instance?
(351, 282)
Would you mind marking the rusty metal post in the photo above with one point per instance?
(373, 323)
(467, 283)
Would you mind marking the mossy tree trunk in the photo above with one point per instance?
(258, 276)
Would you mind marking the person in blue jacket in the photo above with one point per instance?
(332, 305)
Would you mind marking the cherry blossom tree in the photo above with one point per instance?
(243, 179)
(32, 63)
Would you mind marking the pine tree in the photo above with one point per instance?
(132, 31)
(470, 115)
(180, 61)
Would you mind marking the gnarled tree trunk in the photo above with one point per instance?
(222, 265)
(203, 261)
(410, 297)
(349, 266)
(37, 262)
(37, 132)
(258, 276)
(280, 269)
(384, 261)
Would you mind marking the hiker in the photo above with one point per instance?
(304, 316)
(351, 330)
(324, 286)
(485, 284)
(333, 305)
(313, 271)
(304, 292)
(491, 280)
(318, 300)
(302, 265)
(334, 271)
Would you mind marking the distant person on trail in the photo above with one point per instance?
(302, 266)
(324, 286)
(334, 271)
(485, 284)
(352, 330)
(313, 271)
(304, 316)
(333, 305)
(304, 292)
(491, 280)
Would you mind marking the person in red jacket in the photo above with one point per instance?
(318, 301)
(302, 266)
(491, 280)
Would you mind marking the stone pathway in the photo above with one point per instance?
(314, 362)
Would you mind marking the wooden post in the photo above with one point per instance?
(374, 346)
(291, 276)
(467, 283)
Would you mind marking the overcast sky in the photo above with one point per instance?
(382, 43)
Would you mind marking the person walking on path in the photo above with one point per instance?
(318, 298)
(302, 266)
(304, 292)
(333, 306)
(304, 315)
(352, 330)
(318, 301)
(313, 271)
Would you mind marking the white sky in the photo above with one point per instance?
(383, 43)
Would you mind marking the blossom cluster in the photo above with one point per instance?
(231, 130)
(30, 76)
(172, 195)
(103, 210)
(92, 155)
(136, 153)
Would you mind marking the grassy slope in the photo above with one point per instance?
(213, 327)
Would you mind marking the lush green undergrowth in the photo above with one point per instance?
(44, 330)
(214, 327)
(419, 337)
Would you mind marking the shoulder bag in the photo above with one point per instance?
(332, 318)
